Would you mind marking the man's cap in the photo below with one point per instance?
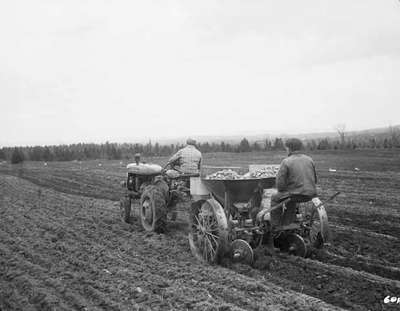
(294, 144)
(190, 141)
(137, 155)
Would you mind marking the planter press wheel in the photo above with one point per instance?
(208, 235)
(317, 222)
(242, 252)
(293, 244)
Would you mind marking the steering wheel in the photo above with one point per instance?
(172, 165)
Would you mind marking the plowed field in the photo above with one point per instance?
(63, 246)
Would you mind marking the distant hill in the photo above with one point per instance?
(233, 139)
(368, 132)
(252, 137)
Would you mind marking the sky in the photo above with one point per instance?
(101, 70)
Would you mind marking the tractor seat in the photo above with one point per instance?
(287, 217)
(174, 174)
(281, 217)
(299, 198)
(188, 175)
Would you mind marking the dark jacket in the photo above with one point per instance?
(297, 175)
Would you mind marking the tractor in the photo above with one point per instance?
(156, 190)
(229, 220)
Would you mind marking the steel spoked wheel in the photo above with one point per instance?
(208, 235)
(315, 236)
(317, 223)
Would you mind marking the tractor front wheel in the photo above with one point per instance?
(125, 209)
(153, 209)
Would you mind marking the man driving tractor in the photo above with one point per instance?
(296, 179)
(186, 160)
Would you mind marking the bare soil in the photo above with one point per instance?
(64, 247)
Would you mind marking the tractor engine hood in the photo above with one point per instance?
(144, 169)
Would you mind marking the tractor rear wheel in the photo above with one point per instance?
(208, 235)
(153, 209)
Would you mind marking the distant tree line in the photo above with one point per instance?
(116, 151)
(353, 143)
